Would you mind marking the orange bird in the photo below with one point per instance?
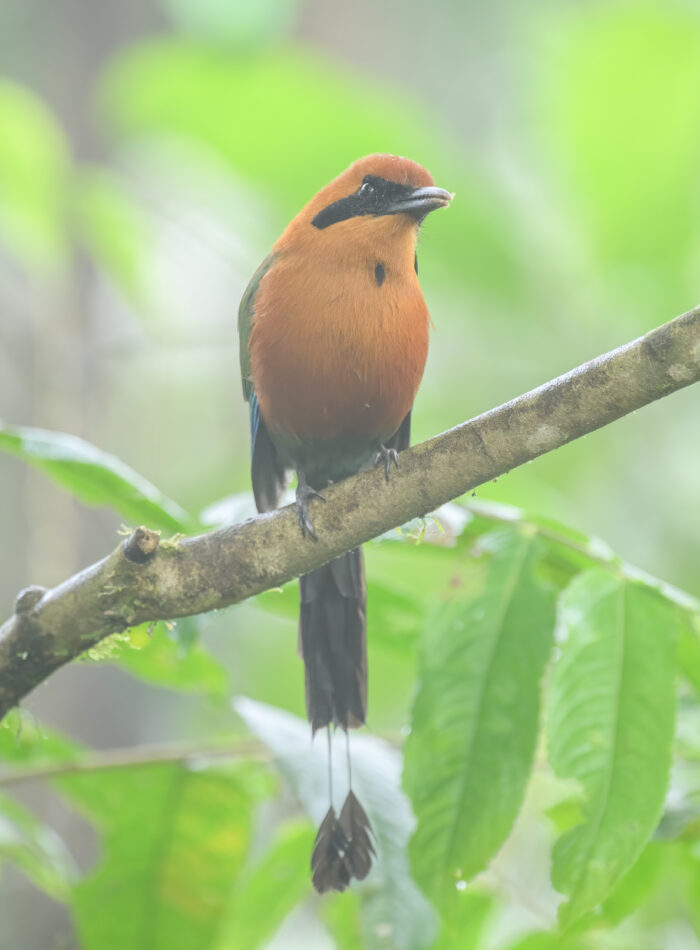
(333, 341)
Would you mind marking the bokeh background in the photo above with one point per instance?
(150, 154)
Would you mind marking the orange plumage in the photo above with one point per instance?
(333, 353)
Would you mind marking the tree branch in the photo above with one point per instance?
(143, 580)
(146, 755)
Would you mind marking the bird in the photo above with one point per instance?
(333, 333)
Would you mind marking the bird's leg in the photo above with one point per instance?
(304, 494)
(386, 456)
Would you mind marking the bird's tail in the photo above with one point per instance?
(333, 642)
(333, 645)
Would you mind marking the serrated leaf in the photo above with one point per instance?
(36, 849)
(95, 477)
(175, 840)
(269, 890)
(392, 902)
(476, 714)
(610, 724)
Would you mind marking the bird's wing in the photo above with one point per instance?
(401, 439)
(246, 319)
(267, 469)
(268, 472)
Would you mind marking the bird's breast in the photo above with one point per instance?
(338, 353)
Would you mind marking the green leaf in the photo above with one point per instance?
(681, 817)
(404, 581)
(689, 649)
(24, 740)
(342, 916)
(465, 924)
(269, 891)
(160, 657)
(175, 840)
(95, 477)
(35, 848)
(391, 901)
(636, 886)
(610, 723)
(476, 714)
(34, 166)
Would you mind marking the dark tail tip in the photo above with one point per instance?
(343, 849)
(358, 831)
(329, 868)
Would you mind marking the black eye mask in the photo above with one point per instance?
(375, 196)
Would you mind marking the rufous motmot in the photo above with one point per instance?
(333, 341)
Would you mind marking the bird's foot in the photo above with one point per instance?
(304, 495)
(386, 457)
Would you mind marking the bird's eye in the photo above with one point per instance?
(366, 189)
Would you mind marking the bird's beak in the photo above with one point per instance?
(421, 201)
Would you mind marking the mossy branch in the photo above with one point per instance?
(146, 580)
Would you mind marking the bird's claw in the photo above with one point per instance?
(304, 495)
(387, 457)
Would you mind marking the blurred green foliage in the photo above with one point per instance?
(622, 123)
(34, 173)
(574, 229)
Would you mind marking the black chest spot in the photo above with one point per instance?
(379, 274)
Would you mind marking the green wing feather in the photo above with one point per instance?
(267, 470)
(246, 318)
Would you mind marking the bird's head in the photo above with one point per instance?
(377, 186)
(379, 199)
